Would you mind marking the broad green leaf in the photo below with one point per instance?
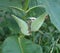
(20, 45)
(22, 24)
(53, 8)
(11, 45)
(36, 24)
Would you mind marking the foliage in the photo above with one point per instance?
(29, 26)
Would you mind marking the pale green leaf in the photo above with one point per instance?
(22, 24)
(36, 24)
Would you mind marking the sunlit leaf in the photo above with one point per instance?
(36, 24)
(22, 24)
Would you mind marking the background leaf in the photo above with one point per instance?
(33, 3)
(52, 7)
(35, 11)
(8, 3)
(18, 12)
